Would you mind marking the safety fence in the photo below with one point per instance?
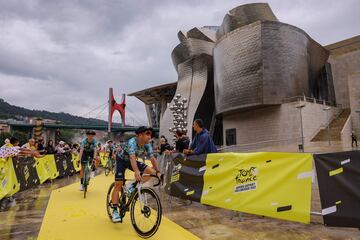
(270, 184)
(21, 173)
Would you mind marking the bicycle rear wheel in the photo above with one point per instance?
(146, 220)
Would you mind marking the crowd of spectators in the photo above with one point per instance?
(202, 144)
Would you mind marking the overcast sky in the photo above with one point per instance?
(63, 55)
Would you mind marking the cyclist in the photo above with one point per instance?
(99, 148)
(134, 148)
(109, 150)
(120, 149)
(88, 151)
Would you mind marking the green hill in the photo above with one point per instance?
(19, 113)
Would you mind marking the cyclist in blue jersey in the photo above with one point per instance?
(88, 152)
(138, 146)
(109, 150)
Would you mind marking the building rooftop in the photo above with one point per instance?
(344, 46)
(156, 94)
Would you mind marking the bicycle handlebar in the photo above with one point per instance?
(160, 179)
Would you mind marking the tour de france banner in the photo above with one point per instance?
(186, 180)
(46, 168)
(276, 185)
(64, 164)
(339, 185)
(25, 169)
(77, 165)
(21, 173)
(8, 180)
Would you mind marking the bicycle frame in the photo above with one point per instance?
(138, 188)
(87, 169)
(142, 194)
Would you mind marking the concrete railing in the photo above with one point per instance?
(263, 144)
(311, 100)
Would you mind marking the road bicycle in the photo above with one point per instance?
(142, 202)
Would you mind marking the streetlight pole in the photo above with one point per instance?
(327, 109)
(300, 107)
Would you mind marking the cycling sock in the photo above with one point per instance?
(82, 180)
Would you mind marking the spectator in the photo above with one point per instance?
(60, 147)
(50, 149)
(75, 148)
(353, 139)
(67, 150)
(182, 141)
(40, 146)
(14, 142)
(13, 149)
(7, 143)
(30, 145)
(9, 152)
(202, 142)
(165, 146)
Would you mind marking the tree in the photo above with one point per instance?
(21, 136)
(67, 135)
(4, 136)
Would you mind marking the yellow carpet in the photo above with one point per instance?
(70, 216)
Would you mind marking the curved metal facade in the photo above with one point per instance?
(193, 61)
(250, 61)
(244, 15)
(190, 48)
(263, 63)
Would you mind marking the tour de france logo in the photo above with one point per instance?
(175, 175)
(246, 180)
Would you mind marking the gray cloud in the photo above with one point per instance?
(64, 55)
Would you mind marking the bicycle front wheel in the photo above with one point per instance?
(86, 180)
(107, 169)
(145, 212)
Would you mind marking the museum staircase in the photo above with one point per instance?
(336, 126)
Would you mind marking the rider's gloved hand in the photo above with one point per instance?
(137, 176)
(160, 176)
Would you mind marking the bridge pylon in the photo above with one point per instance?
(114, 106)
